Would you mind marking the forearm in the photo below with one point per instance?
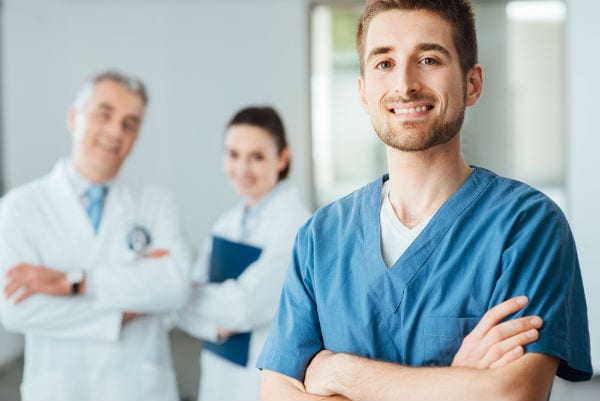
(231, 305)
(196, 325)
(248, 301)
(275, 386)
(364, 379)
(64, 317)
(529, 378)
(149, 286)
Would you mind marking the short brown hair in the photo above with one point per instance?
(459, 13)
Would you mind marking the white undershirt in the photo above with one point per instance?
(395, 236)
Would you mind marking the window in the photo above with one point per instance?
(516, 129)
(346, 152)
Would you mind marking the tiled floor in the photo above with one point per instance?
(10, 377)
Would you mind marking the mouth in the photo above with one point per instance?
(244, 183)
(411, 110)
(108, 147)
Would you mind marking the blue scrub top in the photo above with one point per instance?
(495, 238)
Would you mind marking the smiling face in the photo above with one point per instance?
(104, 130)
(413, 87)
(252, 161)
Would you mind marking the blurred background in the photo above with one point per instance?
(202, 60)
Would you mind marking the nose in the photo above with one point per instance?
(407, 80)
(114, 129)
(242, 167)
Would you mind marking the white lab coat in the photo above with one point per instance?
(76, 347)
(248, 303)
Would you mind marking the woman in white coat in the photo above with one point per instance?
(242, 266)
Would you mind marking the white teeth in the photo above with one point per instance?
(411, 110)
(108, 146)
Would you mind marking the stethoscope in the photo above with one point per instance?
(138, 239)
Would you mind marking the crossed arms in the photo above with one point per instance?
(35, 294)
(490, 364)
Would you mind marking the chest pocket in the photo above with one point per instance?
(442, 337)
(131, 240)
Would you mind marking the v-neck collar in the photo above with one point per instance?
(399, 275)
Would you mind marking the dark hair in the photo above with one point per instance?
(268, 119)
(459, 13)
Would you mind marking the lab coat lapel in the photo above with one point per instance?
(67, 205)
(117, 208)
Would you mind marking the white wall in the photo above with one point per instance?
(202, 60)
(537, 101)
(486, 144)
(583, 144)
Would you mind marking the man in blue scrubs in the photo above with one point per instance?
(386, 284)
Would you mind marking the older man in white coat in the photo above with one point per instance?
(91, 265)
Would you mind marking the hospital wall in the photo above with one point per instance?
(583, 145)
(203, 60)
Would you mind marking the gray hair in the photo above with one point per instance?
(129, 82)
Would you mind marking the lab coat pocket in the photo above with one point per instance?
(158, 383)
(49, 387)
(442, 337)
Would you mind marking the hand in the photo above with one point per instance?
(157, 253)
(224, 334)
(32, 279)
(492, 344)
(317, 376)
(129, 316)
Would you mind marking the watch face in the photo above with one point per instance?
(74, 276)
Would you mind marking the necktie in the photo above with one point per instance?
(95, 196)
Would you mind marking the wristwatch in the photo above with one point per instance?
(75, 277)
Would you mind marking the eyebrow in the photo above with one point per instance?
(133, 118)
(106, 106)
(379, 50)
(435, 47)
(109, 107)
(421, 47)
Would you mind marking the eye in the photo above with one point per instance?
(129, 126)
(258, 156)
(102, 115)
(383, 65)
(429, 61)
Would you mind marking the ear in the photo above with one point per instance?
(284, 159)
(361, 91)
(474, 84)
(71, 118)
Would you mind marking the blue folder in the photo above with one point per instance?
(228, 260)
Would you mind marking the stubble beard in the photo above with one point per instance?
(409, 138)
